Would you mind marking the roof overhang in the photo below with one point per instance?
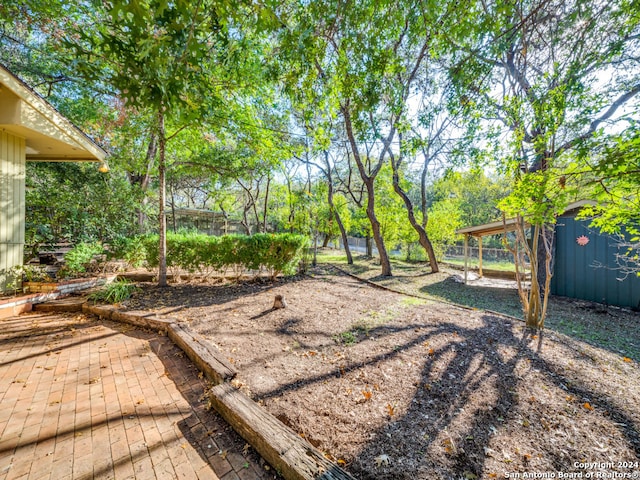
(493, 228)
(510, 224)
(49, 136)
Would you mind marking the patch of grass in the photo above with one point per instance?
(115, 292)
(412, 301)
(487, 265)
(331, 256)
(350, 337)
(346, 338)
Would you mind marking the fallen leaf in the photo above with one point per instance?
(312, 353)
(626, 359)
(587, 406)
(391, 409)
(449, 446)
(366, 394)
(432, 352)
(341, 462)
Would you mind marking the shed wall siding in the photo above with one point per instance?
(589, 272)
(12, 203)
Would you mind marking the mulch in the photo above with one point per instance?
(395, 387)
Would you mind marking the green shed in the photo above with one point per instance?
(586, 265)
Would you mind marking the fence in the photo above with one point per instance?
(488, 254)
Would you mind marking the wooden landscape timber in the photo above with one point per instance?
(288, 453)
(292, 456)
(202, 353)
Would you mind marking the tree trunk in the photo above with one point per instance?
(266, 206)
(144, 183)
(162, 219)
(547, 238)
(422, 233)
(336, 215)
(385, 263)
(368, 180)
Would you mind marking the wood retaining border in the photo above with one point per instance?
(286, 451)
(12, 306)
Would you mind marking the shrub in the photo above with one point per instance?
(114, 292)
(130, 249)
(79, 258)
(193, 252)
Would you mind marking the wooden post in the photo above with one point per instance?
(466, 255)
(480, 256)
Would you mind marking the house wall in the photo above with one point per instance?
(12, 203)
(590, 272)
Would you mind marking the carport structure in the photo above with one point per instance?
(494, 228)
(31, 129)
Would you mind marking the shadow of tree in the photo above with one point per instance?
(475, 401)
(580, 320)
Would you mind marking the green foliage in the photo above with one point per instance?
(31, 273)
(473, 194)
(130, 249)
(114, 292)
(537, 197)
(79, 258)
(24, 273)
(203, 254)
(612, 174)
(76, 203)
(444, 220)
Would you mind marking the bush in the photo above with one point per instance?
(79, 258)
(130, 249)
(114, 292)
(204, 254)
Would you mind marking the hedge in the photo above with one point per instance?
(203, 254)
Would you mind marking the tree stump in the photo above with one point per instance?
(279, 302)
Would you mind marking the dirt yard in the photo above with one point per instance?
(395, 387)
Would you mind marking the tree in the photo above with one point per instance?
(76, 203)
(536, 68)
(364, 58)
(423, 236)
(167, 58)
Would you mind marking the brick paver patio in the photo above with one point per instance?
(82, 399)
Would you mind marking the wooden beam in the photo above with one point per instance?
(480, 256)
(291, 455)
(206, 357)
(466, 256)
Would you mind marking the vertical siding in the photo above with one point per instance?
(589, 272)
(12, 203)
